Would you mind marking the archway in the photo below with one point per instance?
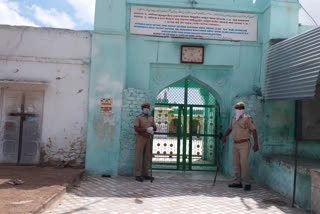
(187, 117)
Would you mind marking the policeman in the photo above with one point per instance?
(241, 127)
(145, 126)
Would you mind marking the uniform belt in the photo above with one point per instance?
(241, 141)
(144, 135)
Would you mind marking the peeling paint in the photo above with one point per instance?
(71, 154)
(64, 70)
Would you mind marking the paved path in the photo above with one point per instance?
(168, 194)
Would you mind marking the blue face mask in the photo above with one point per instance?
(145, 110)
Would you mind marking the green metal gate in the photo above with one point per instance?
(187, 117)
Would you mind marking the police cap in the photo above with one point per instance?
(239, 105)
(145, 105)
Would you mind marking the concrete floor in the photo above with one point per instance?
(171, 192)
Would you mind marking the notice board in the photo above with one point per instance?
(193, 24)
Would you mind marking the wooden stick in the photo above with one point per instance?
(215, 177)
(151, 160)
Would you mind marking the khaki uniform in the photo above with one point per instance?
(241, 131)
(143, 145)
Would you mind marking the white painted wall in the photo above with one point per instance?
(61, 59)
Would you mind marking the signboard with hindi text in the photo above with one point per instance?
(193, 24)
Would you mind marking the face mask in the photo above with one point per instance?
(145, 111)
(239, 113)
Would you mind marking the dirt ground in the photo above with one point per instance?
(41, 185)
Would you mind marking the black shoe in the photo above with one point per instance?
(247, 187)
(235, 185)
(139, 178)
(148, 178)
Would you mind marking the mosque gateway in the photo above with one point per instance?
(192, 60)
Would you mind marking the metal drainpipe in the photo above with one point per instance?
(295, 174)
(297, 136)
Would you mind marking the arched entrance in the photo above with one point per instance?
(187, 117)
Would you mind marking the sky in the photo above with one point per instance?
(79, 14)
(70, 14)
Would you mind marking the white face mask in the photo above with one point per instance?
(145, 110)
(239, 113)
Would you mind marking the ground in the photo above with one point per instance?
(171, 192)
(41, 186)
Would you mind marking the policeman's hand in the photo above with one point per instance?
(255, 147)
(150, 130)
(224, 140)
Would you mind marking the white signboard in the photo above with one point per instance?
(193, 24)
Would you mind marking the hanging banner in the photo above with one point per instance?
(193, 24)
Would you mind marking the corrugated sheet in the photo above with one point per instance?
(293, 67)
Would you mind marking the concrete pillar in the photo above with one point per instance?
(288, 12)
(280, 21)
(107, 80)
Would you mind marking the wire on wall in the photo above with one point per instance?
(308, 14)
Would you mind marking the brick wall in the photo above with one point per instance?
(132, 100)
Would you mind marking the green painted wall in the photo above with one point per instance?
(278, 151)
(279, 131)
(278, 175)
(273, 165)
(232, 71)
(107, 80)
(279, 127)
(122, 60)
